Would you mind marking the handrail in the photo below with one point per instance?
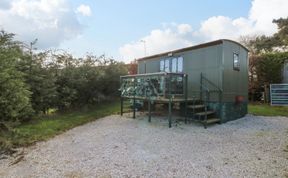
(211, 83)
(153, 74)
(207, 91)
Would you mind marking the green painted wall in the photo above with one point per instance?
(234, 82)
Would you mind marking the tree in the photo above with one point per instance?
(266, 58)
(132, 68)
(14, 94)
(269, 67)
(276, 42)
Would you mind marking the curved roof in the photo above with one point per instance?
(203, 45)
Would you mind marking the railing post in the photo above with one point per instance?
(134, 102)
(121, 98)
(205, 119)
(149, 109)
(170, 103)
(186, 96)
(121, 106)
(201, 88)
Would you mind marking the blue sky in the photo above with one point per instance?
(114, 23)
(117, 27)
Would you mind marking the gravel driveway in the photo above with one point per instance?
(117, 146)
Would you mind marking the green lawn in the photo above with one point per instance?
(49, 126)
(267, 110)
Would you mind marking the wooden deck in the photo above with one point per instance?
(162, 99)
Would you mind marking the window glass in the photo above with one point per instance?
(236, 62)
(162, 66)
(180, 64)
(174, 65)
(167, 66)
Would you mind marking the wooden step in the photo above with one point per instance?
(204, 113)
(196, 106)
(213, 120)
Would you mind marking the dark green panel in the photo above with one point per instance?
(234, 82)
(229, 110)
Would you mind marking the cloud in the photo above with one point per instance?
(51, 21)
(84, 10)
(159, 40)
(224, 27)
(258, 21)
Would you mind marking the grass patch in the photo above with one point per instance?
(267, 110)
(48, 126)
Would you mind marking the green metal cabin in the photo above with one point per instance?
(224, 63)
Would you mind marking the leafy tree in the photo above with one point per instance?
(269, 67)
(41, 81)
(276, 42)
(132, 68)
(266, 58)
(14, 94)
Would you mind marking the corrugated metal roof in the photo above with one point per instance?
(203, 45)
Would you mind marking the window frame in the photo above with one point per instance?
(171, 62)
(236, 67)
(174, 62)
(182, 60)
(162, 65)
(167, 67)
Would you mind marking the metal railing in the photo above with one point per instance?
(161, 86)
(153, 85)
(207, 87)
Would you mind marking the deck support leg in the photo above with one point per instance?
(134, 108)
(186, 96)
(170, 112)
(170, 102)
(149, 109)
(121, 106)
(134, 100)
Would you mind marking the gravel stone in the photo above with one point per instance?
(117, 146)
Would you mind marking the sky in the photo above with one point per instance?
(124, 29)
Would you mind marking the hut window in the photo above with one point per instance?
(166, 66)
(174, 65)
(236, 61)
(162, 66)
(180, 64)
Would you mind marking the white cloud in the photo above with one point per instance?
(159, 40)
(51, 21)
(224, 27)
(84, 10)
(258, 21)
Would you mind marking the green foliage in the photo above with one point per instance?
(14, 96)
(269, 67)
(87, 81)
(266, 59)
(41, 81)
(267, 110)
(52, 79)
(276, 42)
